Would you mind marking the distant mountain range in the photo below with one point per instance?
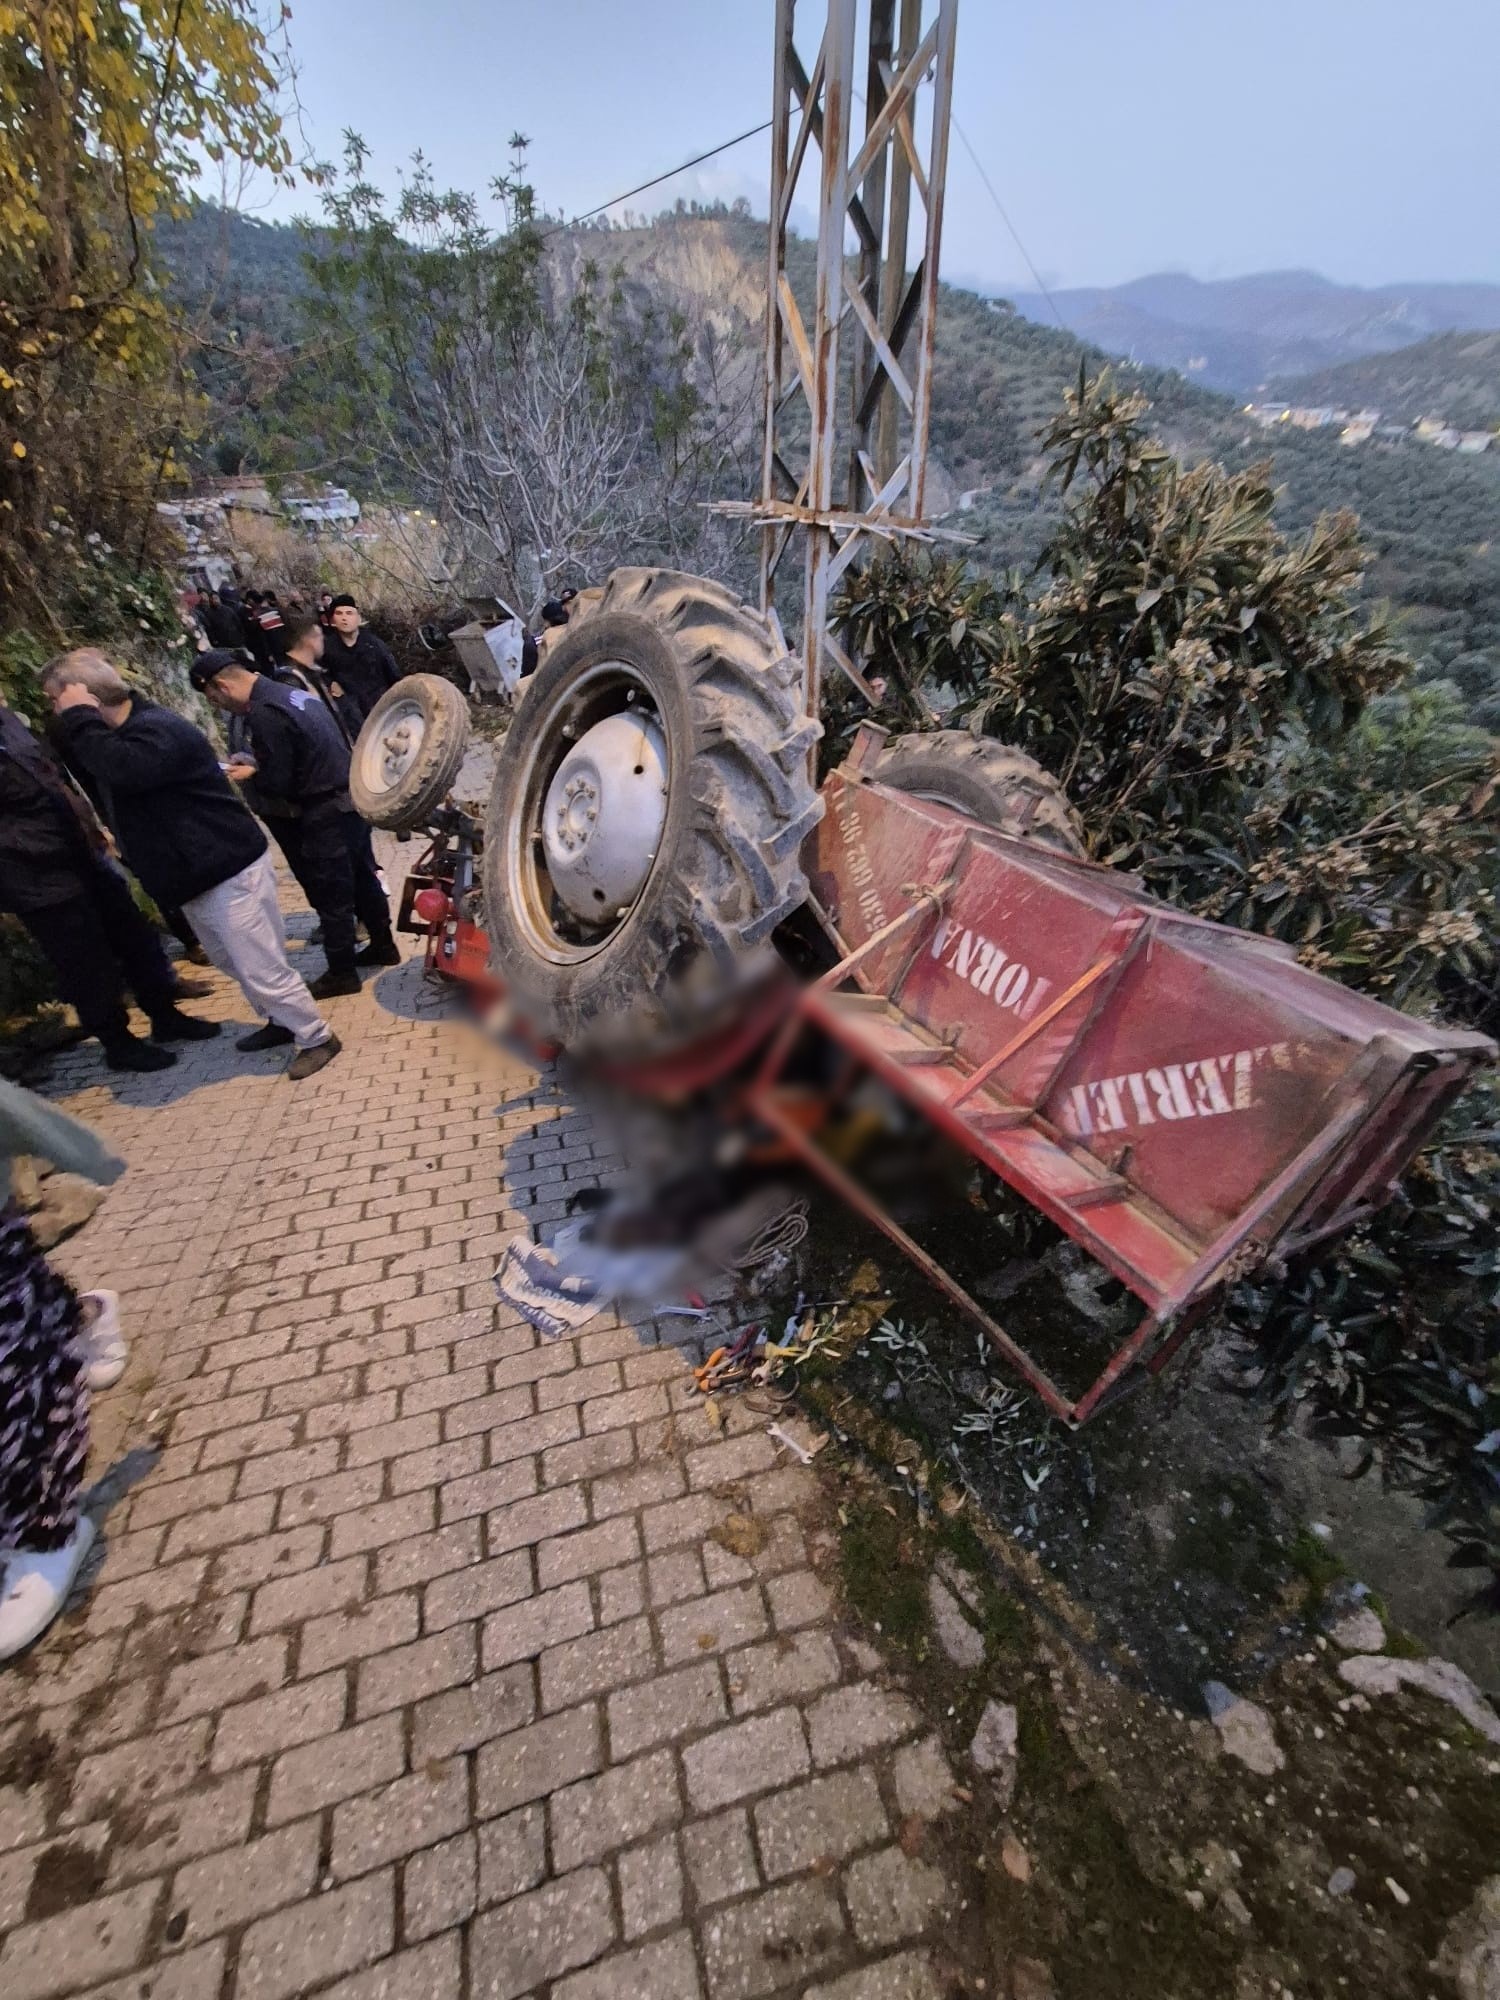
(1243, 334)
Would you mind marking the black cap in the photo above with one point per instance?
(343, 602)
(213, 662)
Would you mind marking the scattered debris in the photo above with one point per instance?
(742, 1535)
(1470, 1952)
(1244, 1729)
(1358, 1631)
(528, 1278)
(1376, 1674)
(1341, 1881)
(1031, 1980)
(1397, 1891)
(1014, 1859)
(799, 1452)
(994, 1748)
(957, 1637)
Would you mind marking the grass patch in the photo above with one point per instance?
(1318, 1566)
(884, 1579)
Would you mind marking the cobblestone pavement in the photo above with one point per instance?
(414, 1665)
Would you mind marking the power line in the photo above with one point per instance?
(671, 174)
(1015, 233)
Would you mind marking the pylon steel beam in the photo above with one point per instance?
(881, 166)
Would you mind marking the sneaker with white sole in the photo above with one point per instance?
(103, 1345)
(36, 1586)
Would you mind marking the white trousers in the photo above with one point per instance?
(239, 926)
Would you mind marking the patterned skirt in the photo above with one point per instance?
(44, 1400)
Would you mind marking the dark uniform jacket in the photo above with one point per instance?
(301, 757)
(365, 669)
(47, 841)
(174, 813)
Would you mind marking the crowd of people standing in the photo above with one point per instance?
(116, 782)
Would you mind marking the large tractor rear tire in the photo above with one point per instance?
(649, 806)
(1002, 788)
(408, 752)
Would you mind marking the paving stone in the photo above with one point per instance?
(208, 1817)
(539, 1936)
(893, 1896)
(139, 1773)
(818, 1822)
(195, 1975)
(909, 1976)
(664, 1969)
(924, 1783)
(667, 1707)
(391, 1680)
(288, 1954)
(524, 1630)
(403, 1816)
(849, 1721)
(335, 1767)
(465, 1717)
(674, 1576)
(222, 1893)
(376, 1626)
(621, 1593)
(440, 1887)
(512, 1855)
(597, 1816)
(69, 1951)
(761, 1676)
(426, 1557)
(481, 1587)
(774, 1940)
(431, 1972)
(588, 1551)
(720, 1856)
(296, 1714)
(650, 1887)
(747, 1757)
(530, 1763)
(799, 1598)
(712, 1624)
(287, 1601)
(597, 1662)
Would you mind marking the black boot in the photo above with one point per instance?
(180, 1027)
(336, 981)
(379, 951)
(129, 1052)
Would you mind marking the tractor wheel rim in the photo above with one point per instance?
(385, 759)
(587, 813)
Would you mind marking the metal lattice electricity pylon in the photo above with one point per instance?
(844, 484)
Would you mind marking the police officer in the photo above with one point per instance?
(299, 763)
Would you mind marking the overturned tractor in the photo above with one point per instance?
(659, 887)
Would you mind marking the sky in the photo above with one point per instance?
(1357, 138)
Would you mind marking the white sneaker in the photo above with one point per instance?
(36, 1588)
(104, 1347)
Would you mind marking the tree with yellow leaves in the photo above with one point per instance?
(109, 110)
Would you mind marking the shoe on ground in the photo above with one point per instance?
(196, 955)
(381, 951)
(271, 1036)
(36, 1586)
(104, 1347)
(180, 1027)
(331, 985)
(307, 1062)
(131, 1053)
(191, 989)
